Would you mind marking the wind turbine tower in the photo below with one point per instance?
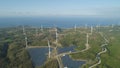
(49, 48)
(86, 26)
(36, 31)
(24, 31)
(41, 28)
(26, 42)
(56, 35)
(112, 25)
(91, 30)
(87, 39)
(75, 27)
(98, 27)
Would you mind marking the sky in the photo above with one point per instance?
(105, 8)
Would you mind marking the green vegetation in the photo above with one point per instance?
(16, 56)
(51, 64)
(110, 59)
(73, 38)
(95, 41)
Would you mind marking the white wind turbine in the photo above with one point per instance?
(56, 35)
(75, 27)
(91, 30)
(49, 48)
(87, 39)
(86, 26)
(41, 28)
(24, 31)
(36, 31)
(26, 42)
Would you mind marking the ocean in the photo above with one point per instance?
(63, 22)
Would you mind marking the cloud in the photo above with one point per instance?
(105, 12)
(108, 11)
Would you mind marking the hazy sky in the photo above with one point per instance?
(107, 8)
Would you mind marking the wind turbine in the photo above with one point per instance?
(91, 30)
(36, 31)
(56, 35)
(75, 27)
(112, 25)
(26, 43)
(87, 39)
(98, 27)
(49, 48)
(41, 28)
(24, 31)
(86, 26)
